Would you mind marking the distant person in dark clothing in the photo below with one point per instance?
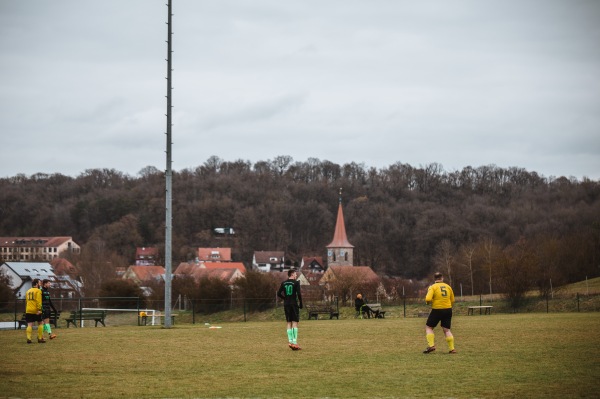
(361, 307)
(289, 291)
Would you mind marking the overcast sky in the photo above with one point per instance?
(459, 83)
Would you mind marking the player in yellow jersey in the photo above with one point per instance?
(441, 297)
(33, 310)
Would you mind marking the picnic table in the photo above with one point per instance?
(486, 309)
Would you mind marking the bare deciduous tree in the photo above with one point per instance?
(444, 258)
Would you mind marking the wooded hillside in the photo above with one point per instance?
(403, 220)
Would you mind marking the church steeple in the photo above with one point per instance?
(340, 252)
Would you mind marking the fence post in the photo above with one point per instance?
(244, 310)
(16, 301)
(80, 315)
(404, 303)
(480, 303)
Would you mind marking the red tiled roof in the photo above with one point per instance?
(224, 274)
(62, 266)
(365, 273)
(146, 273)
(146, 251)
(307, 260)
(229, 265)
(44, 241)
(206, 254)
(313, 278)
(185, 268)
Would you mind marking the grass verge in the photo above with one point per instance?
(521, 355)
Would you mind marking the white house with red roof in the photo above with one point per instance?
(146, 256)
(312, 264)
(266, 261)
(35, 249)
(214, 254)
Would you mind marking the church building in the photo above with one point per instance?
(340, 252)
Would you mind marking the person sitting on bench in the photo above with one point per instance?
(361, 306)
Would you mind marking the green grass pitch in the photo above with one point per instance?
(499, 356)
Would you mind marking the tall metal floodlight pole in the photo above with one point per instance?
(169, 177)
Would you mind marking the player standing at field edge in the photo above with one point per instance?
(47, 306)
(441, 297)
(289, 291)
(33, 310)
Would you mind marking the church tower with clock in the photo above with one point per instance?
(340, 252)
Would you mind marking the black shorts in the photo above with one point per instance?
(437, 315)
(46, 313)
(292, 312)
(32, 318)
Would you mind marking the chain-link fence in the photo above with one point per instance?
(129, 311)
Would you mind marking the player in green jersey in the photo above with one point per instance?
(47, 308)
(289, 291)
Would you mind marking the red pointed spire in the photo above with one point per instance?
(340, 240)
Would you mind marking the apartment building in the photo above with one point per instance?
(32, 249)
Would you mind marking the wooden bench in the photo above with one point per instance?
(53, 320)
(486, 309)
(97, 316)
(144, 318)
(316, 310)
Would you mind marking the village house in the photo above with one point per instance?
(227, 271)
(142, 275)
(31, 249)
(21, 274)
(266, 261)
(214, 254)
(312, 264)
(146, 256)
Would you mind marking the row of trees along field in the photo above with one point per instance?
(487, 227)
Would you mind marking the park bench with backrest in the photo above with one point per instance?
(53, 320)
(485, 309)
(315, 310)
(97, 316)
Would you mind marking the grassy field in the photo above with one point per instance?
(500, 356)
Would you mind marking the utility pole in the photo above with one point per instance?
(168, 179)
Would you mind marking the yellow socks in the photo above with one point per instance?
(430, 339)
(40, 331)
(29, 330)
(450, 341)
